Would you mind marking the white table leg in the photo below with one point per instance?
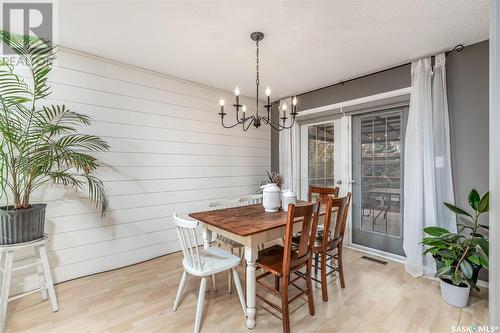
(7, 270)
(207, 237)
(251, 254)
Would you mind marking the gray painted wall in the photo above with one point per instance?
(468, 98)
(375, 84)
(467, 75)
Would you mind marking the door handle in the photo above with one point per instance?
(339, 181)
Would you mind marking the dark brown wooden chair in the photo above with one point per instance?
(322, 192)
(328, 245)
(283, 261)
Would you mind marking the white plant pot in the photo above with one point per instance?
(271, 197)
(454, 295)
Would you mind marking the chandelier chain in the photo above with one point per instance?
(257, 81)
(257, 63)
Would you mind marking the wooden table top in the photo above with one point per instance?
(245, 220)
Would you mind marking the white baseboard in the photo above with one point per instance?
(480, 283)
(483, 284)
(378, 253)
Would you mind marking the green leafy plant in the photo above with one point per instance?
(273, 178)
(464, 253)
(41, 143)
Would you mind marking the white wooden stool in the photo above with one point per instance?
(43, 270)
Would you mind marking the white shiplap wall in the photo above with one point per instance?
(168, 154)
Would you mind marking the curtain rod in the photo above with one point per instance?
(458, 48)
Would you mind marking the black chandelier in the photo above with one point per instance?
(256, 120)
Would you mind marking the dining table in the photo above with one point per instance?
(250, 226)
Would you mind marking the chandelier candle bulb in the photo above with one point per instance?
(244, 110)
(237, 94)
(221, 102)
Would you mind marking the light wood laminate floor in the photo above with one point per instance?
(139, 298)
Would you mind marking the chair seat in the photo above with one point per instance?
(213, 260)
(228, 241)
(272, 259)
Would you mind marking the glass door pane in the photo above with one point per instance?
(320, 143)
(381, 173)
(377, 146)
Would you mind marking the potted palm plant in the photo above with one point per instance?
(460, 255)
(38, 143)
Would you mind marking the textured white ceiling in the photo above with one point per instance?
(308, 44)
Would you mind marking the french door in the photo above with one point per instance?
(362, 154)
(378, 164)
(321, 152)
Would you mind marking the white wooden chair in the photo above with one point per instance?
(203, 263)
(224, 241)
(253, 199)
(223, 204)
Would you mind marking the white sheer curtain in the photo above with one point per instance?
(427, 175)
(288, 152)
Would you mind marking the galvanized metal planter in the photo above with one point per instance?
(22, 225)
